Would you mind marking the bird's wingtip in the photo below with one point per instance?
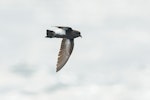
(57, 70)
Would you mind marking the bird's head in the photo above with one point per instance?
(77, 34)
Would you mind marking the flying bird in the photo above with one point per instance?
(67, 34)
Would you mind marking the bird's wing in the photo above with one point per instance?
(64, 53)
(63, 27)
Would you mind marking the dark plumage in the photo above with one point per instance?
(67, 34)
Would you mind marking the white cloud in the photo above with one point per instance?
(111, 61)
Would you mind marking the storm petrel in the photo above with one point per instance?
(67, 34)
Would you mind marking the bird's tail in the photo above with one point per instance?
(50, 34)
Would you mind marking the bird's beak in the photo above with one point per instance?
(80, 36)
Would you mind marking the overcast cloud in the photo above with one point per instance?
(110, 62)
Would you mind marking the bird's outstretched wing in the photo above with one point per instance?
(64, 28)
(64, 53)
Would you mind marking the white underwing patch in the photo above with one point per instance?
(67, 43)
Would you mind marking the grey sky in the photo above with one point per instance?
(111, 61)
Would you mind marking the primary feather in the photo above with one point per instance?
(64, 53)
